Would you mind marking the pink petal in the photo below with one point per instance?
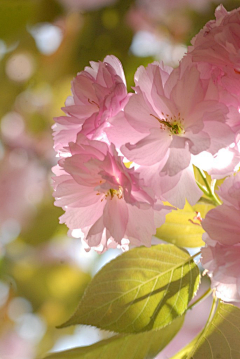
(115, 217)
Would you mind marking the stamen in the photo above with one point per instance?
(174, 125)
(111, 193)
(93, 103)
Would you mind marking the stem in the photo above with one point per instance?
(212, 312)
(205, 295)
(213, 185)
(205, 180)
(202, 188)
(208, 191)
(196, 254)
(205, 200)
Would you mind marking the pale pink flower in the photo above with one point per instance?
(215, 51)
(174, 115)
(173, 189)
(177, 116)
(105, 200)
(221, 256)
(223, 265)
(223, 225)
(218, 42)
(98, 93)
(229, 191)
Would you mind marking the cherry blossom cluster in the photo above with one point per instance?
(221, 256)
(123, 155)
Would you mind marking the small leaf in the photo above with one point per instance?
(143, 289)
(143, 345)
(220, 339)
(178, 230)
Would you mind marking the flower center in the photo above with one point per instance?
(114, 192)
(111, 193)
(172, 123)
(93, 102)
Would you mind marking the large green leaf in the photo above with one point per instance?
(131, 346)
(178, 230)
(143, 289)
(219, 340)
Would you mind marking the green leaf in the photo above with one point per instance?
(142, 345)
(183, 354)
(143, 289)
(178, 230)
(220, 339)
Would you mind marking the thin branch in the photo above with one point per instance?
(205, 295)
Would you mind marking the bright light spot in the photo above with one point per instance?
(17, 307)
(12, 125)
(47, 37)
(84, 259)
(105, 258)
(82, 337)
(223, 158)
(178, 52)
(145, 44)
(20, 67)
(31, 327)
(4, 291)
(10, 230)
(77, 233)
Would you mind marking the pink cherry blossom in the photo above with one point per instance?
(98, 93)
(173, 189)
(106, 201)
(223, 225)
(229, 191)
(223, 265)
(221, 256)
(215, 51)
(219, 41)
(177, 115)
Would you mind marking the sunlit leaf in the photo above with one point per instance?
(140, 346)
(178, 228)
(143, 289)
(220, 339)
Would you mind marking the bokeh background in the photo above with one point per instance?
(43, 44)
